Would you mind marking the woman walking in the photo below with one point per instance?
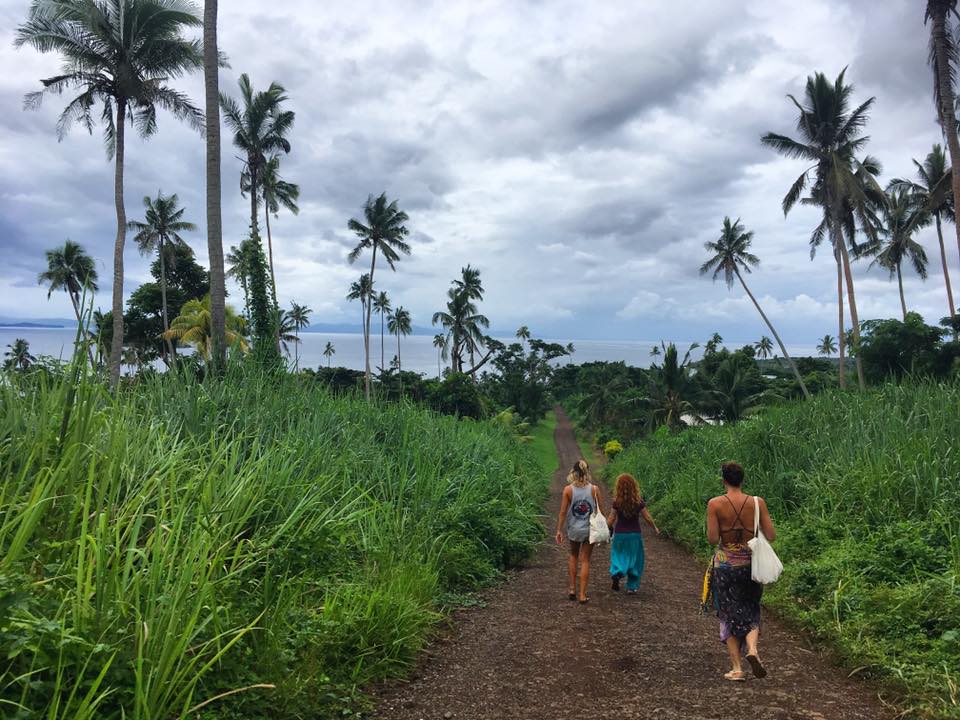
(580, 500)
(626, 552)
(736, 597)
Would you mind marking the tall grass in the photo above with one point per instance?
(251, 547)
(865, 491)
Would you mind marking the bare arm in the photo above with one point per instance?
(713, 525)
(564, 506)
(649, 518)
(766, 523)
(596, 498)
(612, 517)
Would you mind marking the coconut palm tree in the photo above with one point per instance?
(238, 260)
(464, 325)
(897, 244)
(329, 351)
(399, 324)
(300, 317)
(673, 394)
(259, 128)
(713, 344)
(934, 194)
(830, 136)
(275, 192)
(764, 347)
(655, 351)
(211, 88)
(827, 346)
(287, 331)
(194, 327)
(381, 304)
(361, 290)
(523, 334)
(18, 356)
(384, 232)
(160, 232)
(440, 343)
(120, 54)
(730, 255)
(70, 269)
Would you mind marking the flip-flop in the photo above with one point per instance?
(571, 596)
(758, 669)
(631, 592)
(735, 676)
(615, 583)
(585, 601)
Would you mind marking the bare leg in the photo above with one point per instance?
(586, 549)
(572, 567)
(753, 638)
(733, 650)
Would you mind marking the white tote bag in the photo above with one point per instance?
(599, 530)
(765, 566)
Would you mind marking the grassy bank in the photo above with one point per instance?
(252, 548)
(865, 492)
(543, 445)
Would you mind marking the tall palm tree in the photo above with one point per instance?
(943, 59)
(239, 270)
(464, 325)
(361, 290)
(827, 346)
(193, 326)
(259, 130)
(934, 194)
(399, 324)
(275, 192)
(329, 351)
(384, 232)
(764, 347)
(120, 54)
(830, 137)
(287, 331)
(655, 351)
(470, 287)
(713, 344)
(523, 334)
(440, 343)
(18, 356)
(70, 269)
(300, 317)
(160, 232)
(381, 304)
(897, 244)
(211, 91)
(731, 255)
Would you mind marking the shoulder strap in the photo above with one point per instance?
(756, 516)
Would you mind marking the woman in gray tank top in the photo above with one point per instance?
(580, 500)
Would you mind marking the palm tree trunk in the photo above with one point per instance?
(366, 324)
(796, 373)
(296, 350)
(946, 273)
(841, 337)
(218, 288)
(76, 311)
(163, 302)
(948, 118)
(438, 364)
(852, 300)
(253, 194)
(383, 357)
(116, 343)
(903, 302)
(273, 278)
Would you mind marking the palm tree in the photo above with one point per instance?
(70, 269)
(121, 54)
(827, 346)
(464, 325)
(275, 192)
(287, 331)
(381, 303)
(655, 351)
(764, 347)
(361, 290)
(471, 288)
(259, 130)
(934, 194)
(239, 270)
(440, 343)
(713, 344)
(329, 351)
(211, 87)
(831, 135)
(900, 219)
(733, 395)
(731, 254)
(194, 327)
(399, 324)
(300, 317)
(384, 231)
(18, 356)
(672, 394)
(160, 233)
(523, 334)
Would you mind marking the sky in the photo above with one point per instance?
(578, 154)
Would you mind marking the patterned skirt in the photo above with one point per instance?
(736, 597)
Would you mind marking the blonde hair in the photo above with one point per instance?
(580, 474)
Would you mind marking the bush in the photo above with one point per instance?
(612, 448)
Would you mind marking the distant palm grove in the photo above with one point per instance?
(194, 523)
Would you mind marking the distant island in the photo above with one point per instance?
(29, 325)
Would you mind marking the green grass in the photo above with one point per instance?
(543, 445)
(186, 541)
(865, 491)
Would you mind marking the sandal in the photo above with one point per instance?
(631, 592)
(615, 583)
(585, 601)
(571, 596)
(758, 669)
(735, 676)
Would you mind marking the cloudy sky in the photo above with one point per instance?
(578, 153)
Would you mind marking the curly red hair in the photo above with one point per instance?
(627, 494)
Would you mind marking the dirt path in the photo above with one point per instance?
(529, 653)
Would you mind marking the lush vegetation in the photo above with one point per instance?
(252, 538)
(863, 489)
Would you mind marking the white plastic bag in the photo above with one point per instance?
(599, 530)
(765, 566)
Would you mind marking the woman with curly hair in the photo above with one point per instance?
(626, 552)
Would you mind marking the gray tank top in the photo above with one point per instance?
(582, 506)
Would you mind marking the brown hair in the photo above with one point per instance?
(732, 474)
(627, 495)
(579, 473)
